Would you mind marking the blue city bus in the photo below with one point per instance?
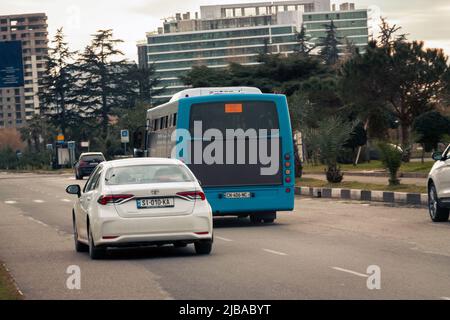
(232, 187)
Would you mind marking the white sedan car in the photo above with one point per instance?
(439, 187)
(136, 202)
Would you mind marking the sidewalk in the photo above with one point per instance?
(368, 179)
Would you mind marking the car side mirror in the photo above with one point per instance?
(74, 189)
(437, 156)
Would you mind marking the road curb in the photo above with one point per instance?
(416, 199)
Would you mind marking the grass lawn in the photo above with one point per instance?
(7, 289)
(414, 167)
(410, 188)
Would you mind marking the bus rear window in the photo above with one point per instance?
(235, 115)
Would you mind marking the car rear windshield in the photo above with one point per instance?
(144, 174)
(93, 158)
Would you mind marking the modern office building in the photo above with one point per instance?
(17, 104)
(351, 24)
(238, 33)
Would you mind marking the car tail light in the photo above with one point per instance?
(114, 198)
(192, 195)
(83, 163)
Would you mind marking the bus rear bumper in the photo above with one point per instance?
(261, 200)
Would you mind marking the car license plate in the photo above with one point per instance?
(238, 195)
(155, 203)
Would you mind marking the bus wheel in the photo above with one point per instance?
(254, 218)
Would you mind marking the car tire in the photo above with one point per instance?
(437, 213)
(95, 252)
(203, 247)
(79, 246)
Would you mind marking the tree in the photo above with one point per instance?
(102, 76)
(144, 81)
(327, 141)
(399, 78)
(330, 45)
(304, 44)
(58, 83)
(431, 127)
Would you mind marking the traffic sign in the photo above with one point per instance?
(71, 145)
(125, 136)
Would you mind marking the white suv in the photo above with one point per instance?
(141, 202)
(439, 187)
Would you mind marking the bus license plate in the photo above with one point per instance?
(155, 203)
(238, 195)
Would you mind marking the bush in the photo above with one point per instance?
(391, 157)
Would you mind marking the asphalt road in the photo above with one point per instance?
(320, 251)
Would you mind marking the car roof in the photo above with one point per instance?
(140, 162)
(91, 154)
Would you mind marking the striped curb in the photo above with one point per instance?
(415, 199)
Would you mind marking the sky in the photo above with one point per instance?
(426, 20)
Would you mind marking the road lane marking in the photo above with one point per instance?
(37, 221)
(275, 252)
(445, 298)
(362, 275)
(38, 201)
(10, 202)
(223, 239)
(65, 200)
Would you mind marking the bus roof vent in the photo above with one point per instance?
(198, 92)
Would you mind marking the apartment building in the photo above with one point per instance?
(18, 104)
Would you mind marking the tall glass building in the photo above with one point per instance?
(234, 33)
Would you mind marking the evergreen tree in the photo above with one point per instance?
(304, 44)
(329, 45)
(58, 83)
(103, 79)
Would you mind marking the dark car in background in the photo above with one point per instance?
(87, 163)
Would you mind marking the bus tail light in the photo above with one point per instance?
(114, 198)
(192, 195)
(288, 180)
(287, 164)
(287, 157)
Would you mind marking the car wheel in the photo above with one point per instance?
(95, 252)
(437, 213)
(203, 247)
(79, 246)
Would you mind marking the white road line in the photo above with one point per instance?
(10, 202)
(275, 252)
(37, 221)
(445, 298)
(38, 201)
(362, 275)
(65, 200)
(223, 239)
